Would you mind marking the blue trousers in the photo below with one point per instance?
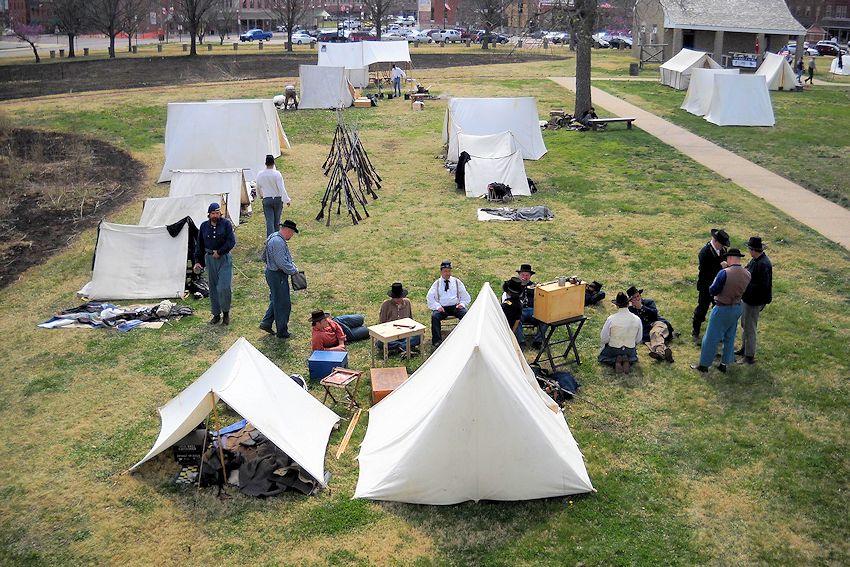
(400, 345)
(722, 326)
(397, 86)
(437, 316)
(280, 304)
(528, 317)
(220, 274)
(272, 209)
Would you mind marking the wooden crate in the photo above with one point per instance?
(385, 380)
(362, 103)
(556, 303)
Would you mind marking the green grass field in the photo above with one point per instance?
(751, 467)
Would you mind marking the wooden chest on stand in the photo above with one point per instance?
(553, 302)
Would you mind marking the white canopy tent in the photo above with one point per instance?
(231, 182)
(218, 135)
(357, 56)
(740, 100)
(324, 87)
(480, 172)
(296, 422)
(676, 72)
(777, 71)
(485, 116)
(138, 262)
(159, 211)
(844, 69)
(470, 424)
(700, 89)
(277, 137)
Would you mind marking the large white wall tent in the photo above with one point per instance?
(185, 183)
(356, 57)
(159, 211)
(700, 89)
(676, 72)
(217, 135)
(277, 137)
(470, 424)
(251, 384)
(324, 87)
(740, 100)
(777, 71)
(485, 116)
(138, 262)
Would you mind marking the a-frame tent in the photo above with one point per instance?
(296, 422)
(159, 211)
(701, 87)
(740, 100)
(470, 424)
(778, 72)
(277, 137)
(843, 69)
(324, 87)
(676, 71)
(230, 182)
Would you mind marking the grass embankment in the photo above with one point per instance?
(806, 145)
(745, 468)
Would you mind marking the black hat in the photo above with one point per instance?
(446, 264)
(513, 286)
(755, 243)
(269, 159)
(721, 236)
(526, 268)
(632, 291)
(397, 291)
(289, 224)
(317, 316)
(622, 299)
(733, 252)
(595, 285)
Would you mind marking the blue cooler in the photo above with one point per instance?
(322, 362)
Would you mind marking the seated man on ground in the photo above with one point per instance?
(656, 329)
(620, 335)
(447, 297)
(512, 302)
(527, 300)
(326, 333)
(395, 308)
(593, 293)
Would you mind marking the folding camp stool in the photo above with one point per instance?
(342, 378)
(448, 325)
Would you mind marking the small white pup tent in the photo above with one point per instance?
(740, 100)
(676, 72)
(230, 182)
(277, 137)
(700, 89)
(844, 70)
(251, 384)
(485, 116)
(218, 135)
(357, 56)
(324, 87)
(470, 424)
(138, 262)
(159, 211)
(493, 158)
(777, 71)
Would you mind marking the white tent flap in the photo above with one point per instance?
(480, 172)
(486, 116)
(777, 71)
(138, 262)
(324, 87)
(676, 72)
(845, 66)
(470, 424)
(700, 89)
(292, 419)
(159, 211)
(740, 100)
(230, 182)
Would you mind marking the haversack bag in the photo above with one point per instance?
(299, 281)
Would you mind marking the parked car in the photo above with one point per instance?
(430, 32)
(361, 36)
(828, 47)
(300, 38)
(448, 36)
(257, 34)
(494, 37)
(421, 37)
(620, 42)
(332, 37)
(560, 37)
(792, 49)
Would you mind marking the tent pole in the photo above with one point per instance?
(203, 450)
(220, 446)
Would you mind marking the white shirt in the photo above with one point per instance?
(439, 297)
(622, 329)
(398, 73)
(270, 184)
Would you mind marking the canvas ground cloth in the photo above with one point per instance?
(159, 211)
(701, 87)
(470, 424)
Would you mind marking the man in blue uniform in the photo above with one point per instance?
(215, 242)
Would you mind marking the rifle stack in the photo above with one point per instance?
(346, 160)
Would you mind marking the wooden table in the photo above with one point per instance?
(396, 331)
(385, 380)
(570, 341)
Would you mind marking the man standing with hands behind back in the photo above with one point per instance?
(711, 261)
(447, 296)
(279, 266)
(272, 191)
(215, 241)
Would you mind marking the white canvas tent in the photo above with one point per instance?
(324, 87)
(357, 56)
(218, 135)
(777, 72)
(740, 100)
(700, 89)
(676, 71)
(844, 70)
(470, 424)
(480, 172)
(488, 145)
(138, 262)
(188, 182)
(277, 137)
(251, 384)
(485, 116)
(159, 211)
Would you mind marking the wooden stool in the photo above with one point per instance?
(342, 378)
(385, 380)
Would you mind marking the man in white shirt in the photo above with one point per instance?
(271, 190)
(621, 333)
(447, 296)
(398, 76)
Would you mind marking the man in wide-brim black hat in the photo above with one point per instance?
(512, 302)
(711, 261)
(656, 329)
(621, 333)
(396, 307)
(527, 299)
(757, 295)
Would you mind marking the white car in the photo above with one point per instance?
(421, 37)
(301, 38)
(448, 36)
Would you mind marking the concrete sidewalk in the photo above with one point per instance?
(829, 219)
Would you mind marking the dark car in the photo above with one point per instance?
(332, 37)
(257, 34)
(494, 37)
(829, 48)
(361, 36)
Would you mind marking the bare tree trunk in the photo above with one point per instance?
(112, 46)
(71, 53)
(584, 22)
(193, 50)
(129, 42)
(35, 52)
(289, 38)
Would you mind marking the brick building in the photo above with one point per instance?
(830, 16)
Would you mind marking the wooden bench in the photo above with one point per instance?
(595, 122)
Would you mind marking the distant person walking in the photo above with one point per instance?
(272, 191)
(398, 76)
(798, 70)
(811, 77)
(215, 241)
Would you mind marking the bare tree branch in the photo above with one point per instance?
(194, 15)
(289, 14)
(28, 33)
(106, 16)
(71, 18)
(379, 10)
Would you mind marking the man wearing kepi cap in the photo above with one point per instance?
(279, 266)
(711, 261)
(447, 296)
(727, 289)
(757, 295)
(272, 191)
(215, 241)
